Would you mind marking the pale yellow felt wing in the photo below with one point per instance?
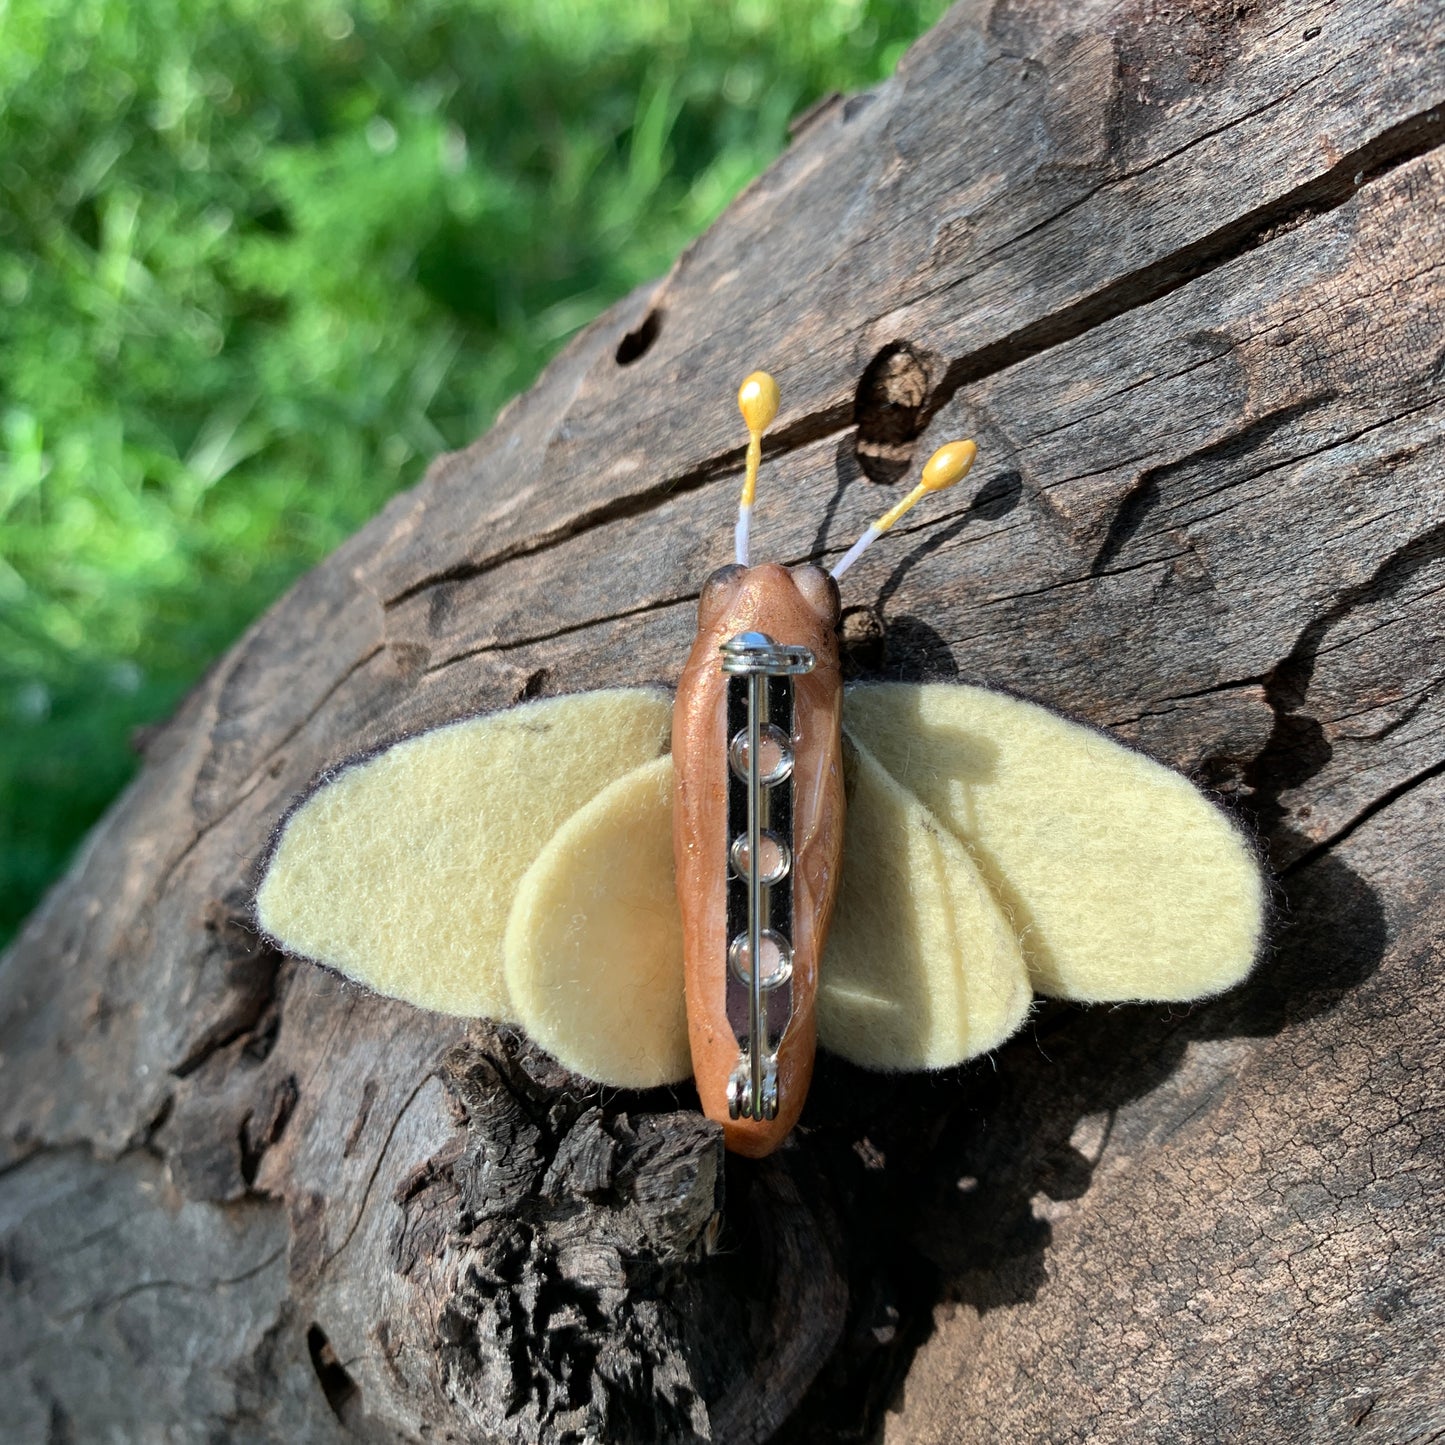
(594, 944)
(400, 870)
(922, 969)
(1121, 879)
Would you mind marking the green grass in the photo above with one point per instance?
(260, 261)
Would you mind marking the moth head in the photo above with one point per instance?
(746, 597)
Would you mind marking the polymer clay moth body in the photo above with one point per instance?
(758, 817)
(714, 885)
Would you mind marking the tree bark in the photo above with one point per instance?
(1176, 265)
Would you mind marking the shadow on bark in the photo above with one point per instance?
(934, 1176)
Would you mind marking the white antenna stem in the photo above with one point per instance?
(856, 551)
(949, 464)
(742, 534)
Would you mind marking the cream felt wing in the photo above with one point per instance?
(922, 968)
(594, 944)
(401, 870)
(1121, 880)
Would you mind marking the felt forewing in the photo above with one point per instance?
(1122, 880)
(401, 870)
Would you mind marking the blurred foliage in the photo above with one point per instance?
(259, 261)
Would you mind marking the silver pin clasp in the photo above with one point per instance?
(756, 654)
(760, 853)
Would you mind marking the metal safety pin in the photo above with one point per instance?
(752, 1090)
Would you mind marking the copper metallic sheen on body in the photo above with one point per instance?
(796, 608)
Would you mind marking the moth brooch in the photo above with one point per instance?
(714, 883)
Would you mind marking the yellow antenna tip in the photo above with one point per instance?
(948, 465)
(758, 401)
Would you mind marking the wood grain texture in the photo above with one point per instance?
(1177, 266)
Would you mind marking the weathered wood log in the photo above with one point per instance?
(1177, 266)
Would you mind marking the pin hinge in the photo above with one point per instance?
(742, 1101)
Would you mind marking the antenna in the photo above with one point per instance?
(758, 402)
(948, 465)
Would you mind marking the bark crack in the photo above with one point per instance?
(1344, 180)
(807, 429)
(661, 604)
(1371, 810)
(375, 1170)
(189, 1286)
(1145, 493)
